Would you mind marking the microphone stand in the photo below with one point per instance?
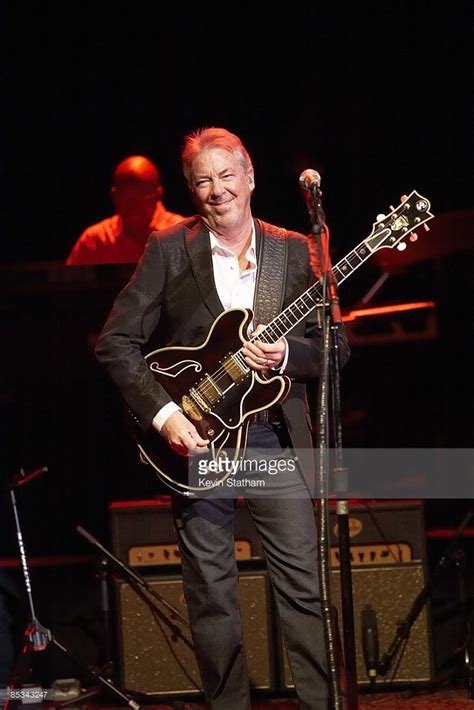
(331, 319)
(145, 591)
(137, 580)
(38, 637)
(404, 627)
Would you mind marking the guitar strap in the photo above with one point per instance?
(272, 262)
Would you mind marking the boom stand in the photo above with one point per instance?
(137, 580)
(331, 320)
(38, 637)
(145, 591)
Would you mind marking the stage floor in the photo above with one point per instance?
(446, 699)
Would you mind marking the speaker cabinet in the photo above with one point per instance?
(143, 534)
(388, 554)
(390, 592)
(158, 660)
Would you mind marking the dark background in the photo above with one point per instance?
(374, 96)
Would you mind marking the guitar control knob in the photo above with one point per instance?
(401, 246)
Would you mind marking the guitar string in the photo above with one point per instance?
(343, 268)
(206, 388)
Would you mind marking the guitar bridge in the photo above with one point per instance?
(191, 409)
(199, 400)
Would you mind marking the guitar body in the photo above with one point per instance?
(216, 391)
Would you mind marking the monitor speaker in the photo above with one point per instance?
(156, 655)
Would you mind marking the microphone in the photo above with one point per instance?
(310, 179)
(21, 478)
(370, 641)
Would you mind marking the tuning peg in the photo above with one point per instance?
(401, 246)
(426, 228)
(380, 217)
(392, 208)
(413, 236)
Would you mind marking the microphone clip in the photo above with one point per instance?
(310, 183)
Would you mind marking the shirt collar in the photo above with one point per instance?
(218, 248)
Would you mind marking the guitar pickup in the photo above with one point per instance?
(235, 369)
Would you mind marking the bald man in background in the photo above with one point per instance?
(137, 195)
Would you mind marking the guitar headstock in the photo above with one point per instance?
(389, 230)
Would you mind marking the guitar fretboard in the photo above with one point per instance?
(304, 304)
(387, 232)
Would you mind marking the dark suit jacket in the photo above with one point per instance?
(172, 300)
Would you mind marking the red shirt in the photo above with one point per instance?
(108, 243)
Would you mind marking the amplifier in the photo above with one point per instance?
(388, 552)
(143, 533)
(156, 660)
(388, 532)
(387, 543)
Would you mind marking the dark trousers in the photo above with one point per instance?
(210, 577)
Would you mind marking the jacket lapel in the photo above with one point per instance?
(199, 253)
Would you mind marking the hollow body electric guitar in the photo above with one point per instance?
(214, 386)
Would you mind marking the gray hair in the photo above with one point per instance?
(205, 138)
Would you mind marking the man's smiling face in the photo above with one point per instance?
(222, 188)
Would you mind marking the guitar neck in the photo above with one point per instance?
(304, 304)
